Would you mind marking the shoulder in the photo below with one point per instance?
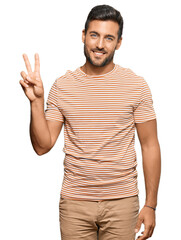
(132, 75)
(65, 78)
(131, 78)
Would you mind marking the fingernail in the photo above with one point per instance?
(136, 230)
(28, 78)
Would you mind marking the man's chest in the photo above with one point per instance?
(97, 103)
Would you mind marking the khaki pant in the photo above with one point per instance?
(113, 219)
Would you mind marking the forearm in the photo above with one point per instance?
(39, 132)
(152, 171)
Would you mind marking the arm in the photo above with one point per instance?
(147, 134)
(43, 133)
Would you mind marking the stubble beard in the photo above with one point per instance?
(104, 63)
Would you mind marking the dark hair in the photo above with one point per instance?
(105, 12)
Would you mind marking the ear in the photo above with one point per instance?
(119, 43)
(83, 35)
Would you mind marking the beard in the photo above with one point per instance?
(107, 60)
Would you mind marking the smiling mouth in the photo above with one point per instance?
(99, 54)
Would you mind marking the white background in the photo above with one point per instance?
(30, 184)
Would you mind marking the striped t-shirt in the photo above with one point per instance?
(99, 114)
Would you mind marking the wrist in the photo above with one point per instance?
(154, 208)
(151, 201)
(38, 101)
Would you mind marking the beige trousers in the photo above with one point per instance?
(113, 219)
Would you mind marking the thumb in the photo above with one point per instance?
(138, 225)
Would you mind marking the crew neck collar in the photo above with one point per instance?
(99, 75)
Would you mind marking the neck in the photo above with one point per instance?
(90, 69)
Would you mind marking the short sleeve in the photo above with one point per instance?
(144, 110)
(53, 111)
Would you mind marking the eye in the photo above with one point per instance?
(93, 35)
(109, 38)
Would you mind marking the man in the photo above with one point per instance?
(100, 104)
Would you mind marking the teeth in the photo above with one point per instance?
(98, 53)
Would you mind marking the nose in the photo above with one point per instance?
(100, 43)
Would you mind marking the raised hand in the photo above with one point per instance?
(32, 83)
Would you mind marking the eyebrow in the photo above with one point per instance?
(108, 35)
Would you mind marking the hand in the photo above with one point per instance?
(32, 83)
(146, 216)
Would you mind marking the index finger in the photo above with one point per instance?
(27, 63)
(145, 233)
(37, 63)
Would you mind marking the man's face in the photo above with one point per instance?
(100, 42)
